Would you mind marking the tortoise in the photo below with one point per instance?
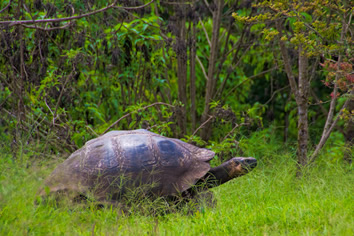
(108, 166)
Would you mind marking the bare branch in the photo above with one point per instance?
(21, 22)
(113, 5)
(224, 53)
(233, 129)
(141, 109)
(134, 8)
(207, 5)
(202, 67)
(214, 53)
(6, 6)
(4, 101)
(328, 131)
(314, 67)
(250, 78)
(178, 3)
(201, 126)
(346, 25)
(276, 91)
(205, 31)
(313, 29)
(49, 29)
(89, 128)
(231, 68)
(54, 117)
(62, 92)
(287, 62)
(318, 102)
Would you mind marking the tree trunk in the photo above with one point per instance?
(286, 120)
(302, 102)
(192, 53)
(211, 82)
(181, 52)
(301, 93)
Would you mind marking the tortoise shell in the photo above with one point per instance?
(108, 165)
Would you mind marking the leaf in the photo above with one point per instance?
(155, 37)
(131, 125)
(144, 27)
(308, 17)
(291, 21)
(214, 104)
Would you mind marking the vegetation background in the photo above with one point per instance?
(269, 79)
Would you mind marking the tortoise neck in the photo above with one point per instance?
(221, 174)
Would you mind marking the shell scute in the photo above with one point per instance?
(136, 151)
(168, 152)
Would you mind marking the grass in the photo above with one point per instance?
(268, 201)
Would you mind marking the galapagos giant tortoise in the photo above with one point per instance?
(107, 166)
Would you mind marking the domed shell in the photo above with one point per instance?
(108, 165)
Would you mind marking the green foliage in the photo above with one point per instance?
(4, 94)
(262, 144)
(73, 83)
(89, 73)
(335, 147)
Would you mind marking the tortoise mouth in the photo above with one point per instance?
(248, 163)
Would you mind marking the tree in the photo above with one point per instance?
(311, 32)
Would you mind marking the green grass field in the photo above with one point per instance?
(268, 201)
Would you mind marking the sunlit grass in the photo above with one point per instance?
(268, 201)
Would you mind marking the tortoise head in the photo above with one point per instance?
(241, 165)
(233, 168)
